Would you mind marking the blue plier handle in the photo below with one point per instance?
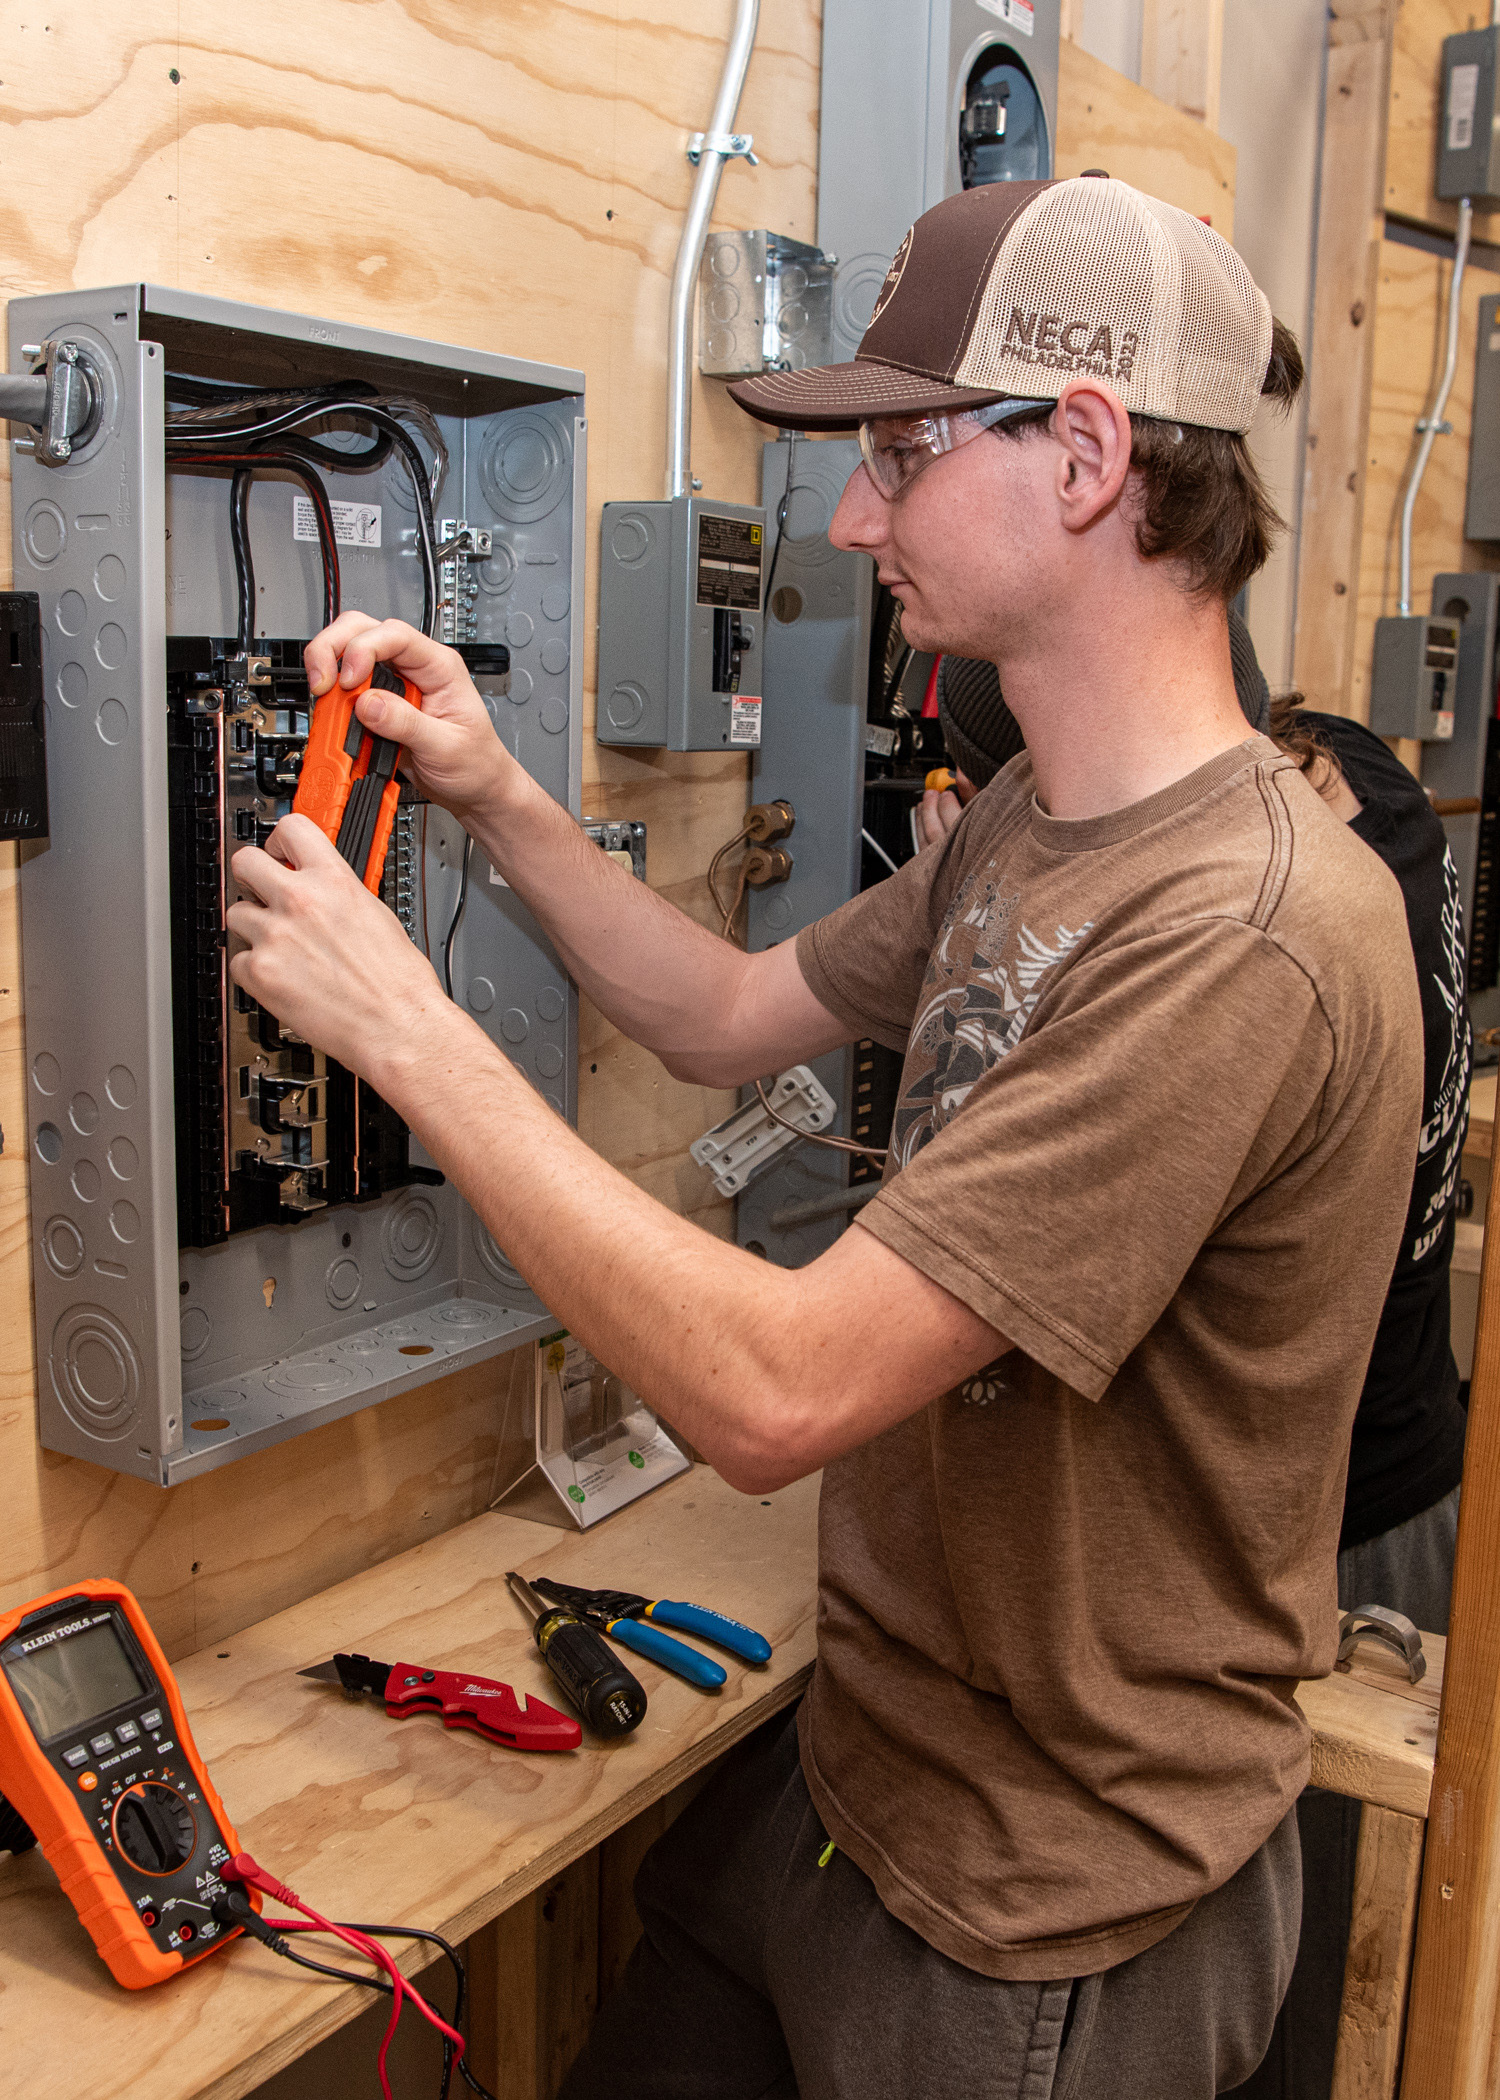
(636, 1623)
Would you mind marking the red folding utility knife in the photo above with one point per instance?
(490, 1709)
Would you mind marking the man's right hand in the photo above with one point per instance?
(452, 752)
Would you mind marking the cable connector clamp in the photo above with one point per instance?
(1439, 429)
(729, 145)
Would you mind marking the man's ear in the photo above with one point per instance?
(1092, 430)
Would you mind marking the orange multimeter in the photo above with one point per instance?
(348, 783)
(98, 1766)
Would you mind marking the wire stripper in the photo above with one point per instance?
(348, 783)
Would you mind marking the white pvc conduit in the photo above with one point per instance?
(719, 144)
(1432, 423)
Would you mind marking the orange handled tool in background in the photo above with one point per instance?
(348, 783)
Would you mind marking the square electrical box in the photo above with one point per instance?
(680, 585)
(765, 304)
(1468, 144)
(236, 1239)
(1414, 681)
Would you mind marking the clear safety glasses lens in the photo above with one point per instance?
(895, 449)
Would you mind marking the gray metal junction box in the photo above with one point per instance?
(166, 1347)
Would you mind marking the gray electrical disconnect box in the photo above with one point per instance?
(1468, 143)
(920, 99)
(1453, 770)
(1414, 677)
(680, 585)
(233, 1239)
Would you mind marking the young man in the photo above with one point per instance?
(1081, 1377)
(1400, 1513)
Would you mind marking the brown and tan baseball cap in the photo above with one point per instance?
(1008, 291)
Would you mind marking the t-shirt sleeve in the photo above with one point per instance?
(865, 962)
(1066, 1197)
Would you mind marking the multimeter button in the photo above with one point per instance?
(76, 1756)
(100, 1743)
(127, 1731)
(88, 1781)
(152, 1719)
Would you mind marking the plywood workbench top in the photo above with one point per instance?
(405, 1823)
(401, 1821)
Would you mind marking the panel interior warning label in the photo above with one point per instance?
(729, 551)
(354, 524)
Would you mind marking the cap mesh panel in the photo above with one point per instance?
(1094, 277)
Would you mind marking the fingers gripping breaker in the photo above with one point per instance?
(348, 784)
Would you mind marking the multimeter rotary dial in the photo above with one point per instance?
(153, 1827)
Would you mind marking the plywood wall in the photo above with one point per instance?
(510, 176)
(507, 176)
(1378, 346)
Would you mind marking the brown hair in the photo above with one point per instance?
(1198, 496)
(1314, 756)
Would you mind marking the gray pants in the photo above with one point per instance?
(1410, 1570)
(763, 1976)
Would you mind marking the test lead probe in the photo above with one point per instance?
(233, 1908)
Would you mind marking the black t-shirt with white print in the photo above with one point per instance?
(1408, 1445)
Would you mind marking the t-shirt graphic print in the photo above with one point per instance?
(983, 983)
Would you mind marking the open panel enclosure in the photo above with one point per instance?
(235, 1239)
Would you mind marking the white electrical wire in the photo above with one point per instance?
(876, 847)
(1432, 423)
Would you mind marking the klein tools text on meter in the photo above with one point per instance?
(98, 1767)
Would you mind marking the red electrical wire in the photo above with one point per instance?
(243, 1868)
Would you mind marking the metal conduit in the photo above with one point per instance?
(1432, 423)
(717, 147)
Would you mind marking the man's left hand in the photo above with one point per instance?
(324, 955)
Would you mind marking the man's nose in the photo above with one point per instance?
(862, 520)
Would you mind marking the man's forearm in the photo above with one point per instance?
(770, 1372)
(711, 1013)
(658, 977)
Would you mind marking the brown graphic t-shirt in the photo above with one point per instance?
(1157, 1124)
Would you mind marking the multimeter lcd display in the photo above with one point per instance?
(67, 1683)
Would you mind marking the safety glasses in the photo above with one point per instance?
(895, 449)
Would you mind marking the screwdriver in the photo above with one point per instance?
(608, 1697)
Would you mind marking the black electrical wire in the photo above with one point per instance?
(313, 408)
(244, 565)
(289, 462)
(458, 912)
(781, 508)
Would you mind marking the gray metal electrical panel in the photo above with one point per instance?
(1482, 508)
(166, 1345)
(1468, 143)
(922, 98)
(812, 755)
(680, 624)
